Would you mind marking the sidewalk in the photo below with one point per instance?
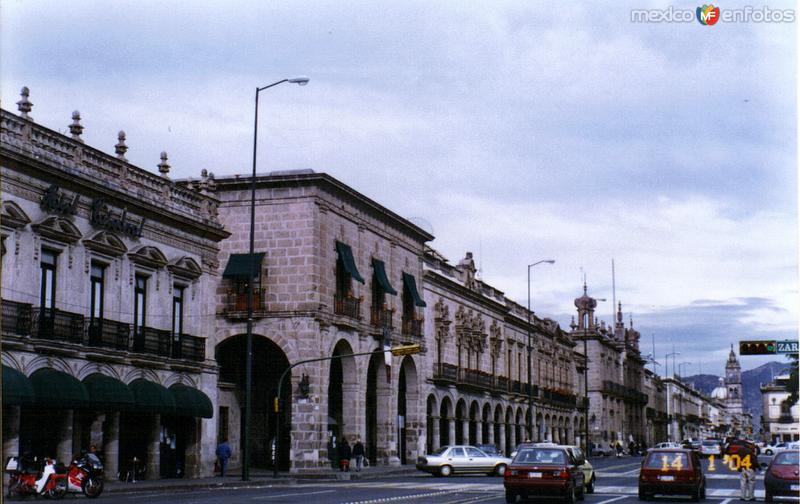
(258, 477)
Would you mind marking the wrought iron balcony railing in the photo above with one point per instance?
(151, 341)
(381, 317)
(413, 327)
(58, 325)
(189, 347)
(236, 302)
(109, 334)
(348, 306)
(17, 318)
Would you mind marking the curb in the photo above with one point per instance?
(171, 485)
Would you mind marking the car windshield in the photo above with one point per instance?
(787, 458)
(540, 456)
(667, 461)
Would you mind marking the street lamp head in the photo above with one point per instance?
(301, 80)
(550, 261)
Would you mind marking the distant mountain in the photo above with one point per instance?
(751, 385)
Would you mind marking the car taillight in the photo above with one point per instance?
(562, 473)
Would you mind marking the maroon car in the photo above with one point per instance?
(782, 476)
(544, 471)
(672, 471)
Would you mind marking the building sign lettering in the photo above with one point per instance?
(55, 201)
(103, 217)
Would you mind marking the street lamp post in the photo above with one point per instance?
(302, 81)
(530, 386)
(680, 369)
(673, 355)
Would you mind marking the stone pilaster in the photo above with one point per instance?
(154, 448)
(111, 445)
(64, 447)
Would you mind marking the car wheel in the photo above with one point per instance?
(768, 452)
(642, 495)
(703, 492)
(768, 496)
(445, 471)
(500, 470)
(696, 495)
(582, 494)
(590, 486)
(510, 497)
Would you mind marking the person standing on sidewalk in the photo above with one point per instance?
(358, 453)
(223, 454)
(344, 455)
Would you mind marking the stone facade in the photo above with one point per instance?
(780, 421)
(311, 228)
(478, 389)
(616, 379)
(80, 231)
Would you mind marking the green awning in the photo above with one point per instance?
(58, 390)
(380, 274)
(191, 402)
(17, 388)
(107, 393)
(152, 398)
(411, 284)
(238, 266)
(346, 255)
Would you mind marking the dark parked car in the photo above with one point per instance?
(783, 477)
(673, 471)
(544, 471)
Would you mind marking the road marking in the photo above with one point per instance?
(612, 500)
(726, 501)
(263, 497)
(629, 464)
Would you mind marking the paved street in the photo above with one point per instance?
(616, 482)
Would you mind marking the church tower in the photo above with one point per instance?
(733, 383)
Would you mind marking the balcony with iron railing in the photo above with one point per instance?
(189, 347)
(446, 373)
(152, 341)
(108, 334)
(347, 305)
(236, 303)
(17, 317)
(381, 317)
(57, 325)
(413, 326)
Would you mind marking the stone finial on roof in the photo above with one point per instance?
(121, 148)
(24, 105)
(163, 166)
(75, 128)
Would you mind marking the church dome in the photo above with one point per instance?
(720, 392)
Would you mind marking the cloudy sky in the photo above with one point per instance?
(514, 131)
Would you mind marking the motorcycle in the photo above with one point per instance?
(84, 475)
(26, 478)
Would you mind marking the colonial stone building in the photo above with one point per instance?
(656, 410)
(477, 388)
(337, 274)
(780, 421)
(616, 375)
(108, 280)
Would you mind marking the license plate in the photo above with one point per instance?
(667, 478)
(795, 488)
(534, 475)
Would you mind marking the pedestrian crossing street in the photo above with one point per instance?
(497, 487)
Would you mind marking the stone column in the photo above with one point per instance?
(465, 431)
(64, 447)
(490, 439)
(350, 415)
(452, 430)
(154, 448)
(111, 445)
(435, 432)
(502, 442)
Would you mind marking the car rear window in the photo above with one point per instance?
(710, 442)
(667, 461)
(787, 458)
(541, 456)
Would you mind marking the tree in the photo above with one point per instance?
(793, 379)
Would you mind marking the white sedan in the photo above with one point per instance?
(462, 459)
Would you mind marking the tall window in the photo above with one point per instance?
(140, 305)
(177, 320)
(344, 282)
(97, 291)
(48, 287)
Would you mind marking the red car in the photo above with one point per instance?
(782, 476)
(672, 471)
(540, 471)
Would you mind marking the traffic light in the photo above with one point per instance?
(758, 347)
